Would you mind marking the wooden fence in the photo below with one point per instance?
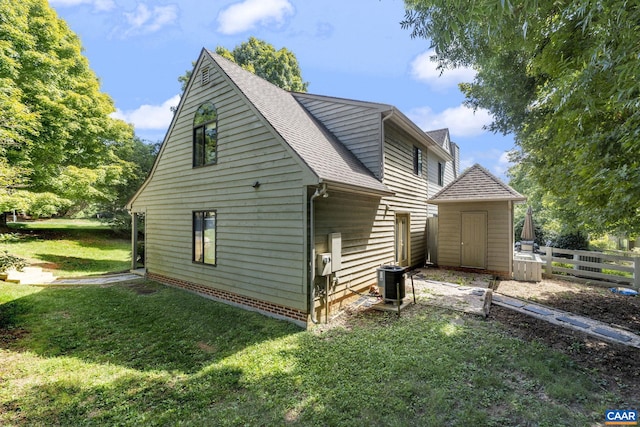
(595, 267)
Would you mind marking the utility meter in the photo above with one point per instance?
(323, 264)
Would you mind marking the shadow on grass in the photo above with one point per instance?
(90, 266)
(22, 230)
(426, 370)
(158, 329)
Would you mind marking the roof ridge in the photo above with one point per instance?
(499, 181)
(481, 193)
(343, 99)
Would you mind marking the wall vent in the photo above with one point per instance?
(205, 76)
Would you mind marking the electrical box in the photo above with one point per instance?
(335, 247)
(323, 264)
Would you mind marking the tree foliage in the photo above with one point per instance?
(561, 76)
(279, 67)
(58, 144)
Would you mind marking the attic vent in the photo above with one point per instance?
(205, 76)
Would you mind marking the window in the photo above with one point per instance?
(204, 237)
(417, 161)
(440, 174)
(205, 135)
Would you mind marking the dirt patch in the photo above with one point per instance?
(207, 348)
(617, 365)
(50, 266)
(597, 303)
(142, 288)
(10, 335)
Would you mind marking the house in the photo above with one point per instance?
(286, 203)
(475, 223)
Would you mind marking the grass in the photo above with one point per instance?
(68, 247)
(144, 354)
(140, 353)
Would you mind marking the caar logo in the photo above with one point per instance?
(621, 417)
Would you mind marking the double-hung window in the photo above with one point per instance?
(205, 135)
(204, 237)
(417, 160)
(440, 174)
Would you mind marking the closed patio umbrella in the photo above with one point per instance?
(528, 233)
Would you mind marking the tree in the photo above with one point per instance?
(54, 115)
(279, 67)
(562, 77)
(136, 161)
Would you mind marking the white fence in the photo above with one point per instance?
(595, 267)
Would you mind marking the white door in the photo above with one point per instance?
(473, 244)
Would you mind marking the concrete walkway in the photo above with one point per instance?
(98, 280)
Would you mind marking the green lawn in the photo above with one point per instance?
(68, 247)
(141, 353)
(146, 354)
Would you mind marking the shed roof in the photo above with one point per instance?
(327, 157)
(476, 184)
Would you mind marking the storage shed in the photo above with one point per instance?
(475, 223)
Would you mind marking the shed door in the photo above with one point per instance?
(473, 246)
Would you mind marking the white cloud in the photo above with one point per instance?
(503, 164)
(149, 20)
(150, 116)
(425, 70)
(461, 120)
(246, 15)
(100, 5)
(495, 160)
(466, 163)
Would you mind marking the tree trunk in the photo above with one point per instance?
(3, 222)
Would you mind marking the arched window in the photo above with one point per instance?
(205, 135)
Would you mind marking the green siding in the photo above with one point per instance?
(410, 189)
(260, 232)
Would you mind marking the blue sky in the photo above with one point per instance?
(346, 48)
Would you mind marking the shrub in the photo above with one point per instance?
(575, 240)
(8, 261)
(119, 222)
(541, 236)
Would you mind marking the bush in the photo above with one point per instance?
(8, 261)
(575, 240)
(119, 222)
(541, 236)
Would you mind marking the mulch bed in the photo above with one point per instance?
(617, 365)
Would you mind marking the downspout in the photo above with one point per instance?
(511, 239)
(134, 240)
(320, 191)
(382, 138)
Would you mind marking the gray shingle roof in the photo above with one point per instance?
(476, 184)
(439, 136)
(328, 158)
